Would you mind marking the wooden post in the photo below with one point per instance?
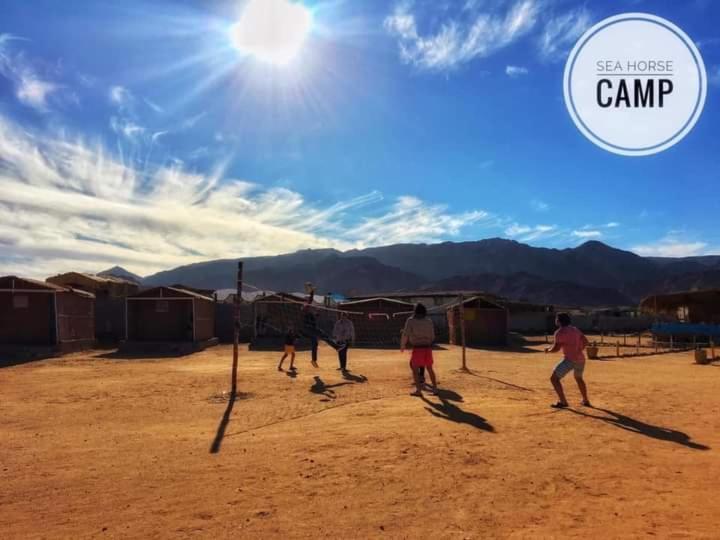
(236, 330)
(617, 349)
(637, 349)
(671, 343)
(462, 330)
(624, 339)
(712, 349)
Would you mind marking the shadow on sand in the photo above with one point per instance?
(641, 428)
(118, 355)
(511, 385)
(326, 390)
(224, 421)
(449, 411)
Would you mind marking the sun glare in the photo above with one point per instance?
(272, 30)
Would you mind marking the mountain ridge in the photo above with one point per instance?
(592, 273)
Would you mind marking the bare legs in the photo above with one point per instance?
(583, 389)
(418, 382)
(557, 385)
(292, 361)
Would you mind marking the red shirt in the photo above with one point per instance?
(572, 342)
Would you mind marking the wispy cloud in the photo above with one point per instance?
(66, 204)
(587, 233)
(560, 33)
(472, 32)
(516, 71)
(672, 248)
(714, 75)
(31, 89)
(539, 206)
(528, 233)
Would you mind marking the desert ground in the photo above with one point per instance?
(98, 446)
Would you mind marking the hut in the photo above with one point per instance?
(169, 318)
(486, 323)
(378, 321)
(690, 313)
(110, 293)
(34, 314)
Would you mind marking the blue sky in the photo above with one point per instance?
(136, 133)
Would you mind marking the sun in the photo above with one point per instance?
(272, 30)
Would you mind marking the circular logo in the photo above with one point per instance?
(635, 84)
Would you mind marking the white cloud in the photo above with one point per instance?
(539, 206)
(34, 92)
(127, 128)
(585, 233)
(470, 34)
(671, 248)
(120, 96)
(714, 75)
(516, 71)
(65, 204)
(31, 89)
(561, 32)
(611, 225)
(528, 233)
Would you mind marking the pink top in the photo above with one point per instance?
(572, 341)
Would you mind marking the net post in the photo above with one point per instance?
(462, 330)
(236, 330)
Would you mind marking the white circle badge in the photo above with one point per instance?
(635, 84)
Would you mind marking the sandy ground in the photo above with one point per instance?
(98, 447)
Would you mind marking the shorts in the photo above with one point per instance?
(565, 366)
(289, 349)
(421, 357)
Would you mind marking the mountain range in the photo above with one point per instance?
(592, 274)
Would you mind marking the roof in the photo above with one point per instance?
(169, 292)
(8, 283)
(96, 278)
(675, 300)
(472, 299)
(399, 303)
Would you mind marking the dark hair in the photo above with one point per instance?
(420, 311)
(563, 319)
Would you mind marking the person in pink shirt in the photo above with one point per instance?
(572, 342)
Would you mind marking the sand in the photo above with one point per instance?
(95, 446)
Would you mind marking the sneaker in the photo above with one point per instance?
(559, 405)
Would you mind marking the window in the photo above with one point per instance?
(162, 306)
(20, 301)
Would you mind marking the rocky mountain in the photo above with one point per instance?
(591, 274)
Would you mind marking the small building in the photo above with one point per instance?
(378, 322)
(110, 293)
(34, 314)
(486, 323)
(162, 316)
(694, 307)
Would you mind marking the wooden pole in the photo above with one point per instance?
(617, 349)
(712, 349)
(462, 330)
(637, 349)
(236, 330)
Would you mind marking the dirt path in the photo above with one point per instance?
(97, 447)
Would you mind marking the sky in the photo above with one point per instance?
(153, 135)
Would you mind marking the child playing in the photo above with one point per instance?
(572, 342)
(420, 334)
(290, 338)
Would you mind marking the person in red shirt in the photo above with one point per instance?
(572, 342)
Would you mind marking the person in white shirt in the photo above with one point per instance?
(343, 336)
(420, 334)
